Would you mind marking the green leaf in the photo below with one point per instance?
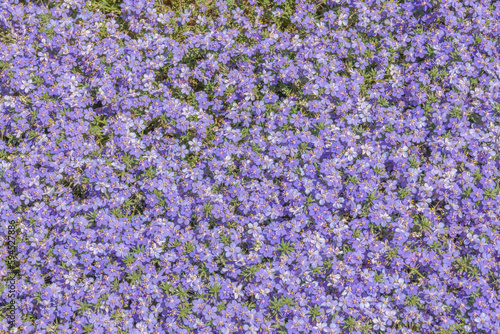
(286, 247)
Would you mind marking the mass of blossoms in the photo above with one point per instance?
(250, 166)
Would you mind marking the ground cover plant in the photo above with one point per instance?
(253, 166)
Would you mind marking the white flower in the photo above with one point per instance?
(238, 291)
(195, 145)
(27, 85)
(334, 279)
(351, 153)
(320, 326)
(378, 324)
(342, 19)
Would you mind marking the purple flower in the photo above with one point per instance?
(233, 167)
(121, 250)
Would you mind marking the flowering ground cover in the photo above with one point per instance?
(251, 166)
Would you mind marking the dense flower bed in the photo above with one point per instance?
(251, 166)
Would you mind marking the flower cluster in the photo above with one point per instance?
(251, 166)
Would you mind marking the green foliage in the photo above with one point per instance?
(286, 247)
(412, 300)
(106, 6)
(277, 303)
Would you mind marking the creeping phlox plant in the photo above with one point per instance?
(244, 166)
